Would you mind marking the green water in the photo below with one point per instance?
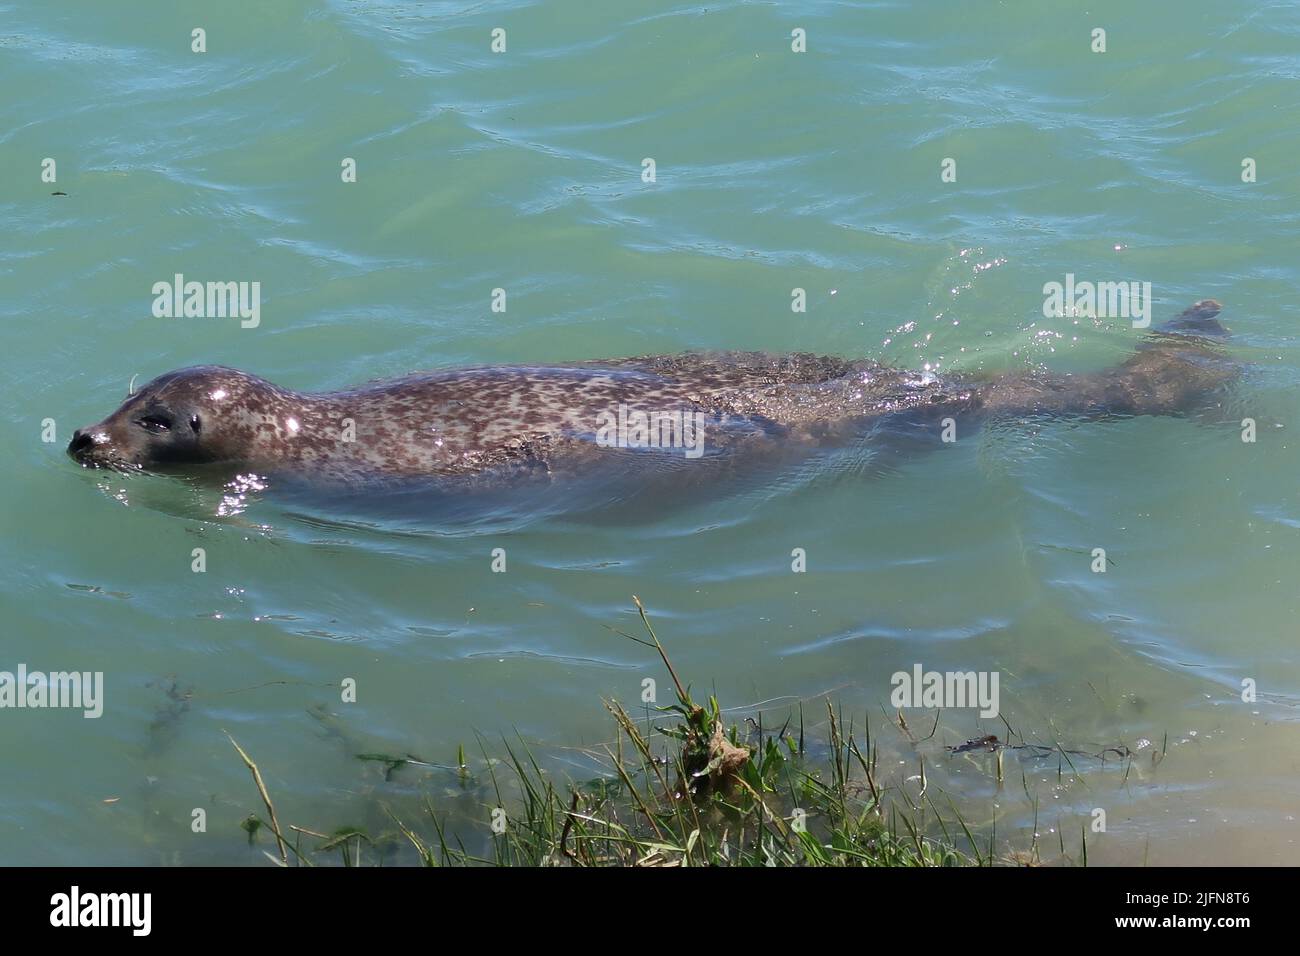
(775, 170)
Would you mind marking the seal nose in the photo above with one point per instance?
(80, 442)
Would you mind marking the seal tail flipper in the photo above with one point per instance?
(1197, 319)
(1176, 369)
(1179, 369)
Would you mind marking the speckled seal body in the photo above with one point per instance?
(554, 420)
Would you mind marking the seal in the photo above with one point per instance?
(551, 421)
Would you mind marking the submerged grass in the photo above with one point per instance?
(688, 791)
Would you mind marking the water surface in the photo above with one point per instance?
(775, 171)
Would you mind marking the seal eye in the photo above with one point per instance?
(155, 424)
(195, 424)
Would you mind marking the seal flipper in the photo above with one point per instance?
(1176, 369)
(1197, 319)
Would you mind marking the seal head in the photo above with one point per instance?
(180, 418)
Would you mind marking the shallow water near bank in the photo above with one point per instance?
(775, 171)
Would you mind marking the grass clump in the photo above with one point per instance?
(690, 790)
